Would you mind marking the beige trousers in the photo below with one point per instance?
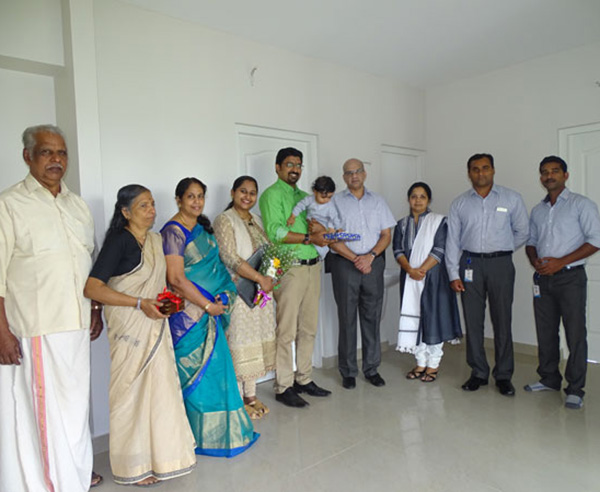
(297, 316)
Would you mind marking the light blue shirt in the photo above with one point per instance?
(324, 213)
(497, 222)
(368, 217)
(559, 229)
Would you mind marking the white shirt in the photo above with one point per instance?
(46, 245)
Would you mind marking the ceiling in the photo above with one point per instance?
(420, 42)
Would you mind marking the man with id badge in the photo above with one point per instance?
(565, 229)
(486, 224)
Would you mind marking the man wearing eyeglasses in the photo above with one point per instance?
(298, 294)
(357, 274)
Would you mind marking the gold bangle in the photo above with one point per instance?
(207, 306)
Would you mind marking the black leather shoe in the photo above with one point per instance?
(311, 389)
(349, 383)
(474, 383)
(376, 380)
(505, 387)
(291, 399)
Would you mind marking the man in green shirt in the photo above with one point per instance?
(298, 295)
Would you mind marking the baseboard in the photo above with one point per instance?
(100, 444)
(523, 349)
(332, 362)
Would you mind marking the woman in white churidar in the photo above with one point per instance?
(429, 311)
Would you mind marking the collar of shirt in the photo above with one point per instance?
(564, 195)
(287, 188)
(493, 190)
(32, 185)
(348, 193)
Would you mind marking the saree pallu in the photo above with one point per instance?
(149, 432)
(212, 400)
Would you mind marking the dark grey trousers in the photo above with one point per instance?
(494, 279)
(563, 295)
(363, 294)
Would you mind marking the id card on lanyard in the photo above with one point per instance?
(468, 271)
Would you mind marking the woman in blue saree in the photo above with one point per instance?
(213, 403)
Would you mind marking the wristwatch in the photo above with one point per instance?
(373, 254)
(306, 239)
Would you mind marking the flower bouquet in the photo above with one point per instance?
(276, 262)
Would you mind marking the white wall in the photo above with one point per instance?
(514, 114)
(31, 30)
(170, 93)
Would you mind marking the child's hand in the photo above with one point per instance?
(291, 220)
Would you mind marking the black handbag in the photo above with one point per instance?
(247, 288)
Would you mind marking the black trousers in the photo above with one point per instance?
(563, 295)
(360, 294)
(494, 280)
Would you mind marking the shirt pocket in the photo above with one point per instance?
(46, 231)
(501, 218)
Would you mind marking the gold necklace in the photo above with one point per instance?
(183, 222)
(139, 241)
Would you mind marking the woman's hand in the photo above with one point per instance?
(266, 283)
(150, 308)
(416, 273)
(216, 308)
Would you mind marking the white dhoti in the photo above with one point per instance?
(45, 441)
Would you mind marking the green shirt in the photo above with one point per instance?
(276, 204)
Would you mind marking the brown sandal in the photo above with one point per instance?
(261, 407)
(253, 412)
(415, 374)
(96, 479)
(429, 377)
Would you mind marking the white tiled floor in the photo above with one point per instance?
(411, 436)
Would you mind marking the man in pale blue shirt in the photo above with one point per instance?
(565, 230)
(357, 273)
(485, 226)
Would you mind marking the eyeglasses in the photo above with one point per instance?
(290, 165)
(352, 173)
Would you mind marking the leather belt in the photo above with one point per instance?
(312, 261)
(495, 254)
(570, 269)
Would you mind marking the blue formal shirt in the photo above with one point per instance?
(497, 222)
(368, 217)
(559, 229)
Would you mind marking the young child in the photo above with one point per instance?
(318, 207)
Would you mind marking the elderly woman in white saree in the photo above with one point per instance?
(428, 310)
(150, 438)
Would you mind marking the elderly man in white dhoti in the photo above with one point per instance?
(46, 243)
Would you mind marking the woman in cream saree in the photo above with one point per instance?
(150, 438)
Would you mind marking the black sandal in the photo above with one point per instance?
(429, 377)
(414, 374)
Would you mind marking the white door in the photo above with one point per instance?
(580, 147)
(258, 147)
(400, 167)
